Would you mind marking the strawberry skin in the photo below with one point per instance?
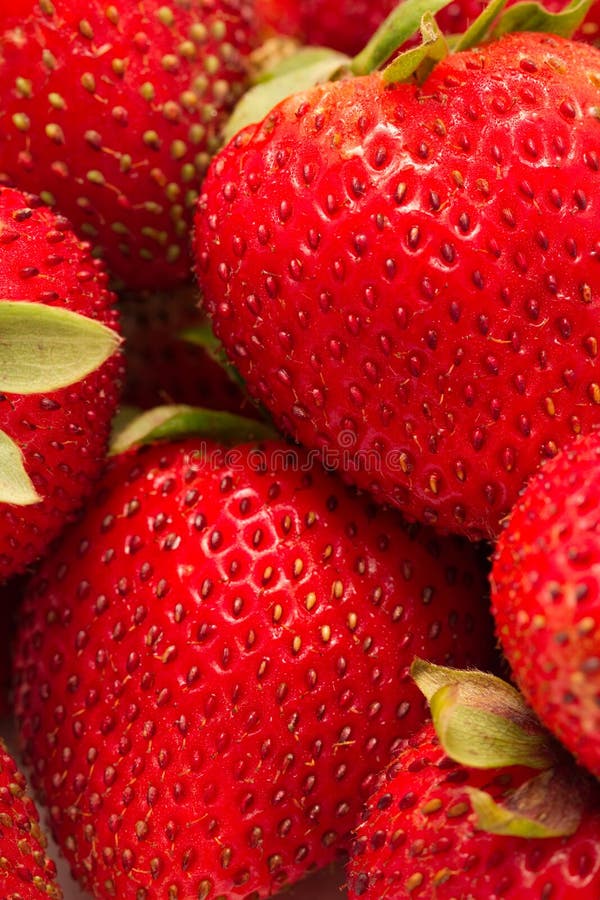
(110, 112)
(213, 667)
(418, 841)
(26, 872)
(63, 433)
(545, 585)
(428, 291)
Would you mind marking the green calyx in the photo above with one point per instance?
(180, 421)
(46, 348)
(547, 806)
(42, 349)
(483, 722)
(313, 65)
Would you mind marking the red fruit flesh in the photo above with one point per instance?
(413, 271)
(213, 667)
(112, 112)
(26, 873)
(546, 595)
(418, 839)
(62, 434)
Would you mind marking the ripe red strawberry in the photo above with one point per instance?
(348, 24)
(546, 596)
(111, 112)
(418, 839)
(53, 440)
(428, 291)
(26, 872)
(163, 366)
(212, 667)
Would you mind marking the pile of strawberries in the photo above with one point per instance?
(300, 447)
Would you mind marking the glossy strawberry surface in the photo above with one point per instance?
(26, 872)
(413, 272)
(418, 838)
(62, 434)
(546, 595)
(111, 113)
(213, 667)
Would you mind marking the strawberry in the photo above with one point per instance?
(163, 365)
(545, 585)
(110, 112)
(418, 838)
(59, 386)
(428, 291)
(348, 24)
(26, 872)
(437, 828)
(212, 667)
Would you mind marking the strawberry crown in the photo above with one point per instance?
(483, 722)
(313, 65)
(43, 349)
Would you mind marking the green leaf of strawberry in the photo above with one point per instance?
(546, 806)
(16, 486)
(169, 422)
(45, 348)
(535, 17)
(481, 720)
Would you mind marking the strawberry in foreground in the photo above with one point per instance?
(111, 113)
(26, 872)
(212, 668)
(60, 374)
(545, 589)
(439, 828)
(429, 290)
(348, 24)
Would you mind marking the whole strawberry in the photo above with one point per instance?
(111, 113)
(545, 584)
(26, 872)
(459, 813)
(427, 294)
(212, 667)
(60, 375)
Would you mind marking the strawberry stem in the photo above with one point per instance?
(402, 23)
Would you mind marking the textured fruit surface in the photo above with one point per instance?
(111, 112)
(26, 873)
(426, 292)
(418, 839)
(546, 595)
(213, 667)
(162, 366)
(62, 434)
(348, 24)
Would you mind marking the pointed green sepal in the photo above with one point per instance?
(16, 486)
(547, 806)
(403, 22)
(480, 29)
(531, 16)
(308, 67)
(482, 721)
(179, 421)
(419, 61)
(45, 348)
